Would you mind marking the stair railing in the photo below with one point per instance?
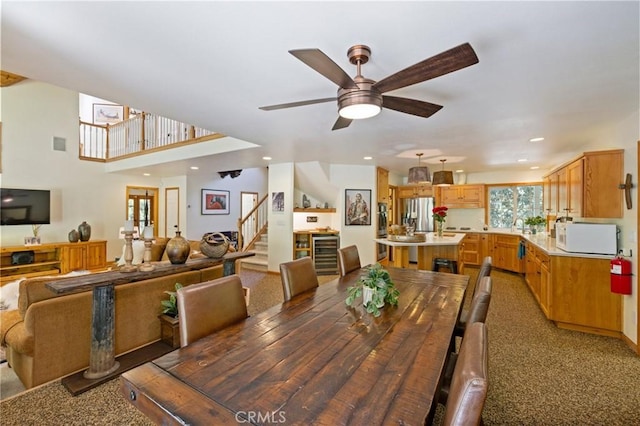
(253, 225)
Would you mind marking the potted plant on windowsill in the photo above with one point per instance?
(169, 325)
(376, 289)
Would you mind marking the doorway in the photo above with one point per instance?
(142, 206)
(248, 203)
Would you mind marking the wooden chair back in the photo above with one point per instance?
(298, 276)
(207, 307)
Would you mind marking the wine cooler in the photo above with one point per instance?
(325, 254)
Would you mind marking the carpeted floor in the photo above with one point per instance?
(539, 374)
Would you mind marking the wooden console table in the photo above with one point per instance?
(102, 362)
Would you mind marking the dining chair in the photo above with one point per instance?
(298, 276)
(348, 259)
(479, 306)
(470, 381)
(477, 314)
(207, 307)
(485, 271)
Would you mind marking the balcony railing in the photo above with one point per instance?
(140, 134)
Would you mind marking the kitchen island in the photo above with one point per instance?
(446, 247)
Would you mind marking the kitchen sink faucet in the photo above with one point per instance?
(515, 224)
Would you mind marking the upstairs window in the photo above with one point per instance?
(508, 202)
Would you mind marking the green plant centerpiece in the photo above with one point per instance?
(535, 222)
(170, 306)
(377, 282)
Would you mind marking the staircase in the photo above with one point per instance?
(259, 262)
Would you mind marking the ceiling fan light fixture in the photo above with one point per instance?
(443, 177)
(359, 111)
(419, 174)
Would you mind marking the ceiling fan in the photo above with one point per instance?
(360, 97)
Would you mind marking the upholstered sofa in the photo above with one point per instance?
(48, 335)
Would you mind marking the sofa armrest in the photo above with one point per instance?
(8, 320)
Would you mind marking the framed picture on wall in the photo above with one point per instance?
(215, 201)
(277, 202)
(357, 207)
(107, 113)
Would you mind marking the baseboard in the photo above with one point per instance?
(629, 342)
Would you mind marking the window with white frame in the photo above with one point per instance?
(510, 202)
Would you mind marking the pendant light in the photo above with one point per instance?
(419, 174)
(443, 177)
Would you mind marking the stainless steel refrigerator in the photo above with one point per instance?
(418, 212)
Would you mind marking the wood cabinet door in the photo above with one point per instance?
(383, 185)
(545, 291)
(73, 256)
(96, 255)
(574, 188)
(563, 200)
(449, 195)
(470, 253)
(505, 253)
(603, 171)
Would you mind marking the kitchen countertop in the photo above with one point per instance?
(540, 240)
(432, 240)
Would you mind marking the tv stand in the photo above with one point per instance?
(51, 259)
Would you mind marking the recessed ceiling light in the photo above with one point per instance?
(536, 139)
(368, 158)
(460, 171)
(534, 167)
(146, 174)
(266, 158)
(194, 167)
(522, 160)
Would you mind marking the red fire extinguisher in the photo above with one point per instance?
(620, 275)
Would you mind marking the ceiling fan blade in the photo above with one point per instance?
(410, 106)
(341, 123)
(297, 104)
(325, 66)
(451, 60)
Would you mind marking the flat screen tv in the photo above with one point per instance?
(25, 206)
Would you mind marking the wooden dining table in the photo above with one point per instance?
(312, 361)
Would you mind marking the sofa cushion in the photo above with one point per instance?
(157, 248)
(34, 290)
(9, 295)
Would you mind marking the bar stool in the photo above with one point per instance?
(439, 262)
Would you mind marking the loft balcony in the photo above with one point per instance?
(142, 133)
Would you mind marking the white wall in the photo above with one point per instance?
(356, 177)
(250, 180)
(280, 233)
(32, 114)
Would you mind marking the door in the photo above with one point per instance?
(142, 206)
(172, 211)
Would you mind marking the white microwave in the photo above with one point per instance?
(592, 238)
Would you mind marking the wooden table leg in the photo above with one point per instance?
(102, 357)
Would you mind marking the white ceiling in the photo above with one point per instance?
(560, 70)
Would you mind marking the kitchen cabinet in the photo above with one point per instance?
(382, 185)
(415, 191)
(537, 276)
(588, 186)
(550, 194)
(504, 251)
(470, 249)
(580, 298)
(574, 188)
(462, 196)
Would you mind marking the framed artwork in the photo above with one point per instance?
(107, 113)
(277, 201)
(215, 201)
(357, 207)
